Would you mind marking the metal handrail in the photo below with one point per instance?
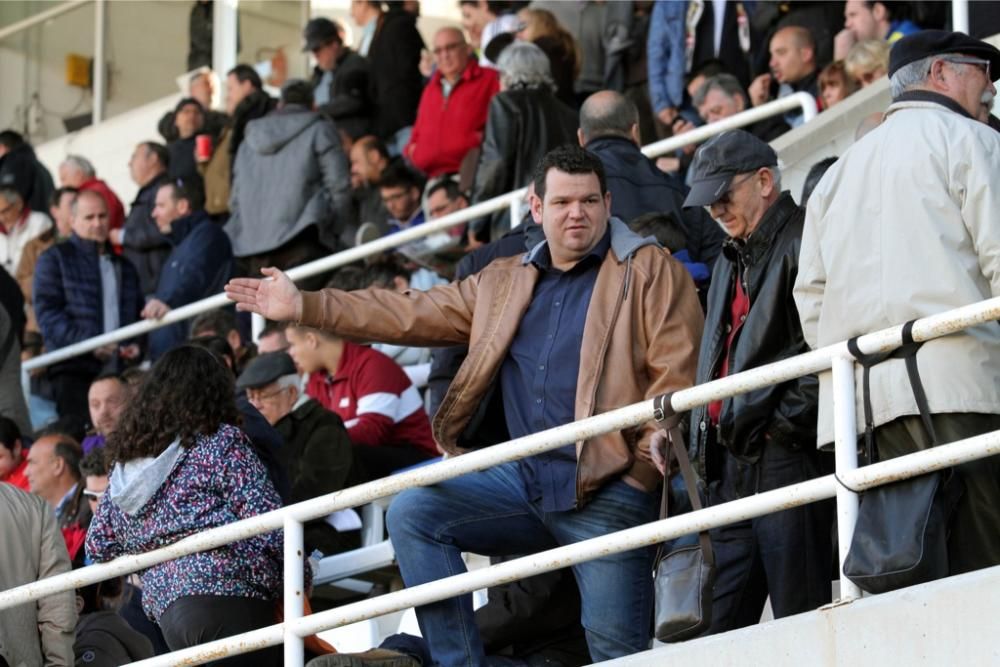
(290, 632)
(798, 100)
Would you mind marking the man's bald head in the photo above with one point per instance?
(607, 113)
(793, 54)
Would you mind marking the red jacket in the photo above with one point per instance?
(378, 403)
(17, 476)
(447, 129)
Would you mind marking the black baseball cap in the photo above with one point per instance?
(719, 159)
(319, 32)
(927, 43)
(265, 369)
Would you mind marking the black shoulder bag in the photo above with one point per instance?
(900, 538)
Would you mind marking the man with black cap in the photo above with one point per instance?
(903, 226)
(761, 440)
(340, 79)
(316, 451)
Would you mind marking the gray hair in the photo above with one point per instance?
(911, 76)
(724, 83)
(81, 163)
(290, 380)
(776, 176)
(524, 65)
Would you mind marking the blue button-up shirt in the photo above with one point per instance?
(538, 377)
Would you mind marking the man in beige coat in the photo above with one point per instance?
(35, 633)
(903, 226)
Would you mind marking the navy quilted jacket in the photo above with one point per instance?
(68, 300)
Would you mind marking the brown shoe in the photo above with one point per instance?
(376, 657)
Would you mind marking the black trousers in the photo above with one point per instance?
(197, 619)
(787, 555)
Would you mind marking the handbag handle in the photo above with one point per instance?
(664, 412)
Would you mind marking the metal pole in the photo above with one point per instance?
(960, 16)
(224, 36)
(294, 591)
(846, 452)
(99, 64)
(257, 323)
(41, 17)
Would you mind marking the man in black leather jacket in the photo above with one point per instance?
(763, 439)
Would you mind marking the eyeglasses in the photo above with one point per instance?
(980, 63)
(727, 196)
(447, 48)
(254, 395)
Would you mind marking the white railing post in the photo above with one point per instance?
(99, 63)
(960, 16)
(256, 326)
(294, 591)
(845, 432)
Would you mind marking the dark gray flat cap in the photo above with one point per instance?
(719, 159)
(265, 369)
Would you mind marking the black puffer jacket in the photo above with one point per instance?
(786, 413)
(396, 82)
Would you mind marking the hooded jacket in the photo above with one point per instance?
(154, 502)
(105, 639)
(20, 169)
(290, 173)
(641, 339)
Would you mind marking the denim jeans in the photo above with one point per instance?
(490, 513)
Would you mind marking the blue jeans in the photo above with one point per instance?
(490, 513)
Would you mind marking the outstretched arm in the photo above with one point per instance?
(275, 297)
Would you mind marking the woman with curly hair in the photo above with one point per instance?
(182, 466)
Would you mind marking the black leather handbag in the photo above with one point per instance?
(684, 575)
(901, 536)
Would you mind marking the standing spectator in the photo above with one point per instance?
(245, 101)
(759, 441)
(722, 96)
(13, 455)
(103, 637)
(864, 20)
(38, 633)
(382, 410)
(369, 159)
(201, 87)
(835, 85)
(221, 323)
(291, 192)
(20, 169)
(107, 397)
(19, 225)
(525, 122)
(81, 290)
(12, 403)
(609, 128)
(198, 266)
(793, 66)
(867, 61)
(340, 79)
(453, 107)
(316, 450)
(189, 119)
(483, 20)
(921, 184)
(392, 44)
(200, 35)
(144, 245)
(77, 172)
(541, 28)
(181, 467)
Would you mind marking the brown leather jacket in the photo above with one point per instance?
(641, 339)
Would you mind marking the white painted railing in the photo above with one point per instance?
(290, 518)
(803, 101)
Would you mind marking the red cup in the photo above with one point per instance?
(203, 147)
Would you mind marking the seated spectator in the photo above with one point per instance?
(443, 195)
(201, 87)
(189, 117)
(245, 101)
(867, 61)
(525, 122)
(369, 158)
(40, 633)
(272, 338)
(381, 408)
(340, 79)
(540, 27)
(178, 458)
(400, 188)
(198, 266)
(77, 172)
(609, 128)
(865, 20)
(13, 455)
(107, 397)
(453, 107)
(813, 177)
(103, 637)
(316, 451)
(53, 473)
(793, 66)
(144, 245)
(290, 198)
(222, 323)
(722, 96)
(81, 290)
(18, 226)
(94, 472)
(21, 170)
(835, 84)
(669, 232)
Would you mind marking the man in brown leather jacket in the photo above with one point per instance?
(592, 319)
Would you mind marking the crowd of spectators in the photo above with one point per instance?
(565, 309)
